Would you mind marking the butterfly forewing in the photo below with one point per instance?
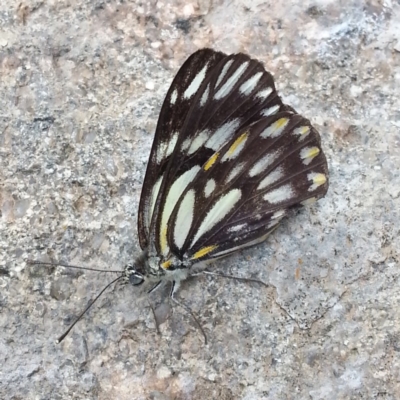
(177, 103)
(228, 160)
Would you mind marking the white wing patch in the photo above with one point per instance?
(263, 163)
(223, 72)
(317, 180)
(263, 94)
(184, 218)
(210, 186)
(307, 154)
(302, 132)
(247, 87)
(237, 228)
(174, 194)
(270, 111)
(222, 134)
(171, 144)
(154, 194)
(196, 83)
(276, 217)
(280, 194)
(161, 151)
(278, 214)
(174, 97)
(198, 141)
(275, 129)
(165, 149)
(274, 176)
(230, 83)
(185, 144)
(205, 95)
(220, 209)
(235, 172)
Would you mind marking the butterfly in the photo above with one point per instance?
(229, 160)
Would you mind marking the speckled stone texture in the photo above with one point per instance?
(81, 84)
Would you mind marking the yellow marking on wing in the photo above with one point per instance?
(312, 152)
(319, 179)
(281, 122)
(163, 240)
(166, 264)
(303, 130)
(211, 161)
(275, 129)
(204, 251)
(237, 142)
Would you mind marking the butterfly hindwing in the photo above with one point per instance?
(247, 187)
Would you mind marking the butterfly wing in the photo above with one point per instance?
(202, 109)
(228, 159)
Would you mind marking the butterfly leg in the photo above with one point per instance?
(156, 286)
(238, 278)
(174, 288)
(155, 318)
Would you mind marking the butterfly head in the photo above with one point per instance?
(144, 268)
(135, 273)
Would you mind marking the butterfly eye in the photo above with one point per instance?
(135, 279)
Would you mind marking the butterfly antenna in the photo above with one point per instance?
(33, 262)
(61, 338)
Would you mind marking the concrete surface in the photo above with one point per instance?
(81, 84)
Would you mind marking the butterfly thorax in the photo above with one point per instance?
(153, 267)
